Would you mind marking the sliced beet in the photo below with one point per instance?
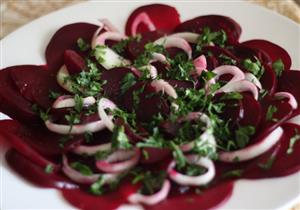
(240, 112)
(12, 102)
(66, 39)
(181, 84)
(113, 78)
(164, 18)
(250, 117)
(284, 112)
(154, 155)
(208, 199)
(274, 51)
(244, 52)
(289, 82)
(148, 100)
(74, 62)
(35, 84)
(216, 53)
(108, 201)
(136, 47)
(283, 163)
(34, 138)
(36, 174)
(215, 23)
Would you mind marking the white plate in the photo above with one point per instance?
(27, 46)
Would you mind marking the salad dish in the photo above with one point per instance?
(167, 115)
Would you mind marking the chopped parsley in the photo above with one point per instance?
(180, 67)
(268, 164)
(178, 156)
(97, 187)
(151, 181)
(87, 83)
(78, 103)
(49, 169)
(232, 96)
(270, 112)
(233, 173)
(128, 81)
(119, 138)
(53, 95)
(144, 58)
(263, 93)
(99, 52)
(121, 45)
(226, 60)
(254, 67)
(82, 45)
(293, 141)
(242, 135)
(192, 170)
(207, 37)
(278, 67)
(82, 168)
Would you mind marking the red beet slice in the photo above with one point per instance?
(268, 80)
(35, 84)
(108, 201)
(215, 23)
(164, 17)
(154, 155)
(209, 199)
(216, 52)
(250, 117)
(148, 100)
(244, 52)
(181, 84)
(35, 139)
(12, 102)
(74, 62)
(274, 51)
(290, 82)
(136, 47)
(113, 78)
(284, 163)
(66, 39)
(35, 174)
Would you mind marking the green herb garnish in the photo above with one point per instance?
(278, 67)
(128, 81)
(233, 173)
(82, 168)
(293, 141)
(82, 45)
(254, 67)
(120, 139)
(270, 112)
(49, 169)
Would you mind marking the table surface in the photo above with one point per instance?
(15, 13)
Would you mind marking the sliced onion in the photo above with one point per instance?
(61, 76)
(111, 59)
(79, 178)
(292, 100)
(254, 150)
(165, 87)
(103, 104)
(142, 18)
(153, 199)
(158, 57)
(136, 71)
(119, 161)
(251, 78)
(187, 36)
(294, 120)
(100, 40)
(180, 43)
(152, 70)
(91, 150)
(76, 129)
(186, 180)
(240, 86)
(200, 64)
(228, 69)
(69, 101)
(108, 26)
